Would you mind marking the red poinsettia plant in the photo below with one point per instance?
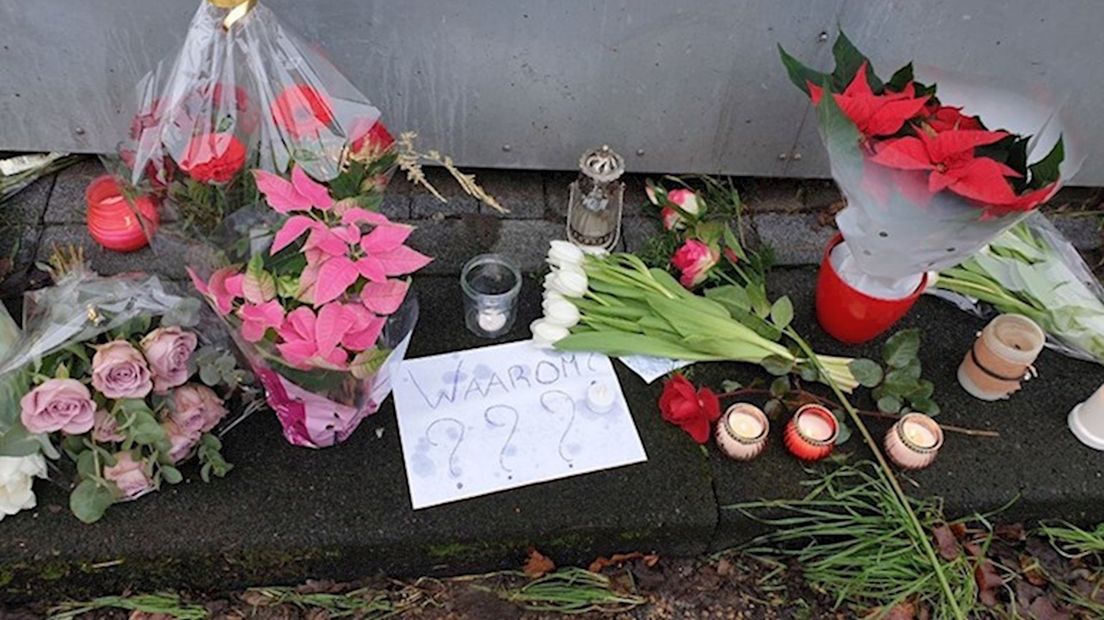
(931, 146)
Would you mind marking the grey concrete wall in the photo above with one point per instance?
(676, 86)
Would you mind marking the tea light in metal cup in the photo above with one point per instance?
(491, 284)
(742, 432)
(913, 441)
(811, 433)
(1086, 421)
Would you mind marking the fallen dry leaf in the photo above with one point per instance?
(988, 581)
(946, 542)
(1043, 609)
(902, 611)
(1032, 572)
(537, 565)
(1013, 532)
(618, 559)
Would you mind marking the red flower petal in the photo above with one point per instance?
(943, 146)
(907, 153)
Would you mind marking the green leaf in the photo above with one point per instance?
(926, 406)
(1048, 169)
(922, 391)
(844, 429)
(86, 465)
(733, 243)
(90, 500)
(773, 408)
(900, 78)
(867, 372)
(729, 385)
(171, 474)
(782, 312)
(799, 74)
(848, 60)
(889, 404)
(902, 347)
(184, 314)
(777, 365)
(809, 373)
(780, 386)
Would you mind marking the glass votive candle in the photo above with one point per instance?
(742, 432)
(491, 284)
(811, 433)
(913, 441)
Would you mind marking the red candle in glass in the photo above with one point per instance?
(811, 433)
(112, 222)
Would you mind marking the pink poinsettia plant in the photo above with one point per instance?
(311, 309)
(321, 294)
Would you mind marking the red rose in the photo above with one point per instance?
(373, 142)
(213, 158)
(693, 412)
(301, 111)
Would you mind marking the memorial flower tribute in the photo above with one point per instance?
(125, 387)
(931, 173)
(319, 304)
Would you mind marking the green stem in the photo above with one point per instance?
(887, 472)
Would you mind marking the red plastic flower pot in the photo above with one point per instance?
(112, 222)
(848, 314)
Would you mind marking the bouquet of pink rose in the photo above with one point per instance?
(316, 301)
(119, 386)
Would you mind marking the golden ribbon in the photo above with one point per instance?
(238, 9)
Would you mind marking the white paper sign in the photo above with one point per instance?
(485, 420)
(651, 368)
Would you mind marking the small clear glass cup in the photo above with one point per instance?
(491, 283)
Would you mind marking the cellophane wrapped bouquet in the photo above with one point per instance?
(1033, 270)
(269, 166)
(117, 375)
(244, 93)
(928, 179)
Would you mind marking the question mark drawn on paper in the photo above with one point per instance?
(509, 438)
(570, 421)
(454, 471)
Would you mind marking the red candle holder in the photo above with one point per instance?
(113, 222)
(850, 315)
(811, 433)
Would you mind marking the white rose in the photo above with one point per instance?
(17, 475)
(546, 334)
(562, 313)
(562, 254)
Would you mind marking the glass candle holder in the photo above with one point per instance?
(491, 284)
(913, 441)
(811, 433)
(742, 432)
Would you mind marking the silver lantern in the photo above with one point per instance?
(594, 209)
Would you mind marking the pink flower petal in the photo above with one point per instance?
(279, 193)
(402, 260)
(315, 192)
(297, 353)
(371, 268)
(385, 238)
(299, 325)
(292, 229)
(333, 323)
(198, 282)
(384, 297)
(366, 338)
(234, 285)
(349, 233)
(321, 238)
(357, 215)
(334, 278)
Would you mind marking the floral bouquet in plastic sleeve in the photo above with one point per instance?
(928, 179)
(116, 374)
(242, 93)
(316, 298)
(1033, 270)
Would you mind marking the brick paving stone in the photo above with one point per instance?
(520, 191)
(635, 232)
(1083, 232)
(67, 205)
(797, 238)
(425, 205)
(452, 242)
(772, 195)
(169, 257)
(819, 193)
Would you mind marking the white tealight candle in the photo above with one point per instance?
(599, 397)
(920, 435)
(744, 424)
(491, 320)
(815, 427)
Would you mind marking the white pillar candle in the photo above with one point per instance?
(918, 434)
(742, 432)
(744, 425)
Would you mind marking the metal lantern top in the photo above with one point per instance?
(603, 164)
